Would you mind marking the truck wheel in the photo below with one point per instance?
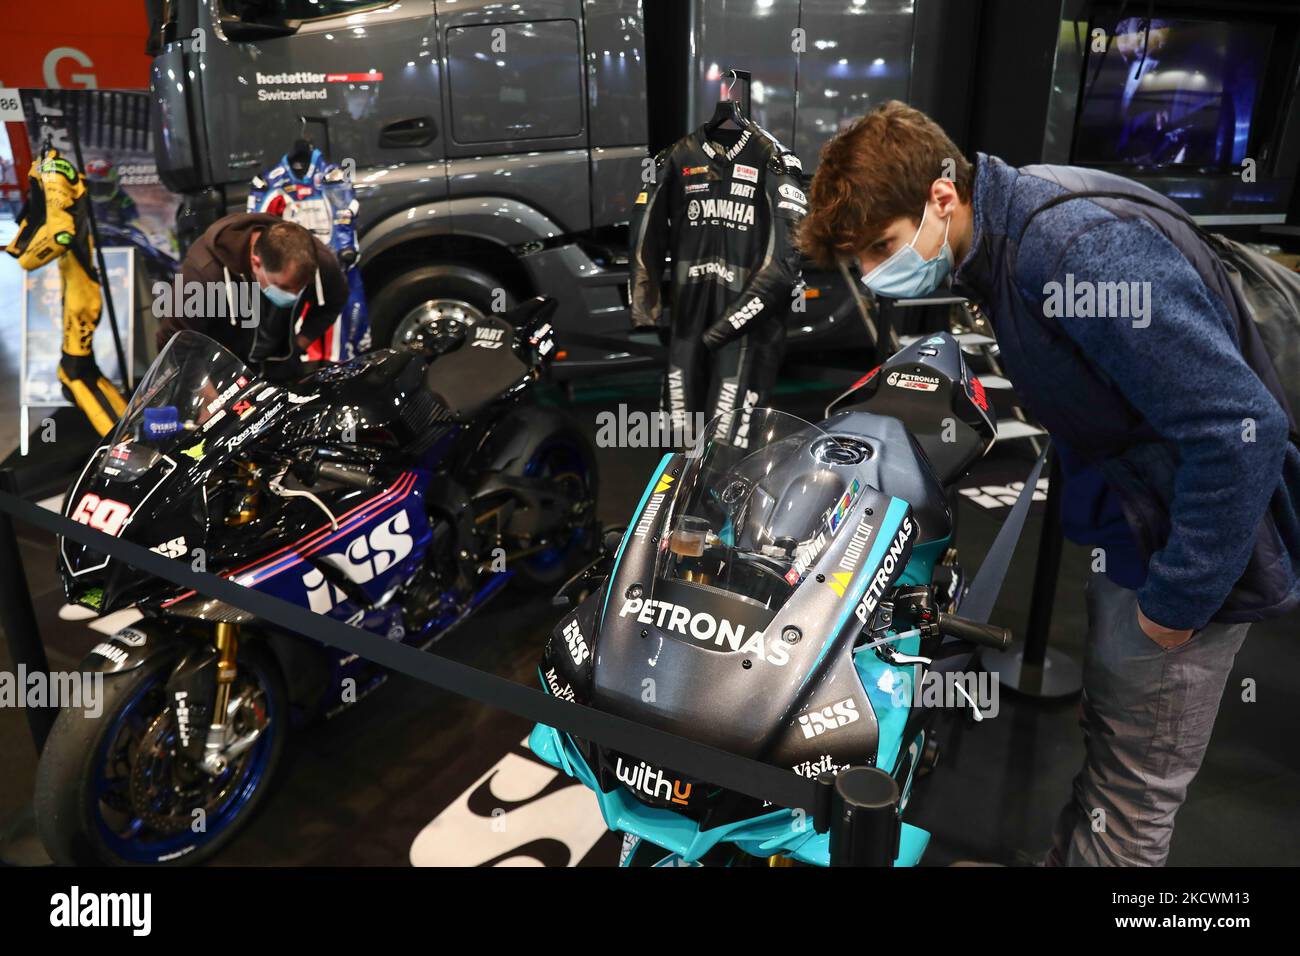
(419, 295)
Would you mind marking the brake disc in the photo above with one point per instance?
(166, 787)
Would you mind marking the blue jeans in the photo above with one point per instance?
(1147, 714)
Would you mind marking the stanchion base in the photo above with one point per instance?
(19, 844)
(1059, 676)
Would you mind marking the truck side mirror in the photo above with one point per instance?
(244, 30)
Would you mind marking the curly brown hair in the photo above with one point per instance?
(875, 171)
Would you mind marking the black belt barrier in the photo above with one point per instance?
(759, 780)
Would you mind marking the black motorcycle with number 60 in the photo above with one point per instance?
(397, 492)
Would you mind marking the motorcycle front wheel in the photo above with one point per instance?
(112, 790)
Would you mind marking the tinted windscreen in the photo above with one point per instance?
(758, 500)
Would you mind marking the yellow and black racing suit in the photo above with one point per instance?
(55, 221)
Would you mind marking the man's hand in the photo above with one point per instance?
(1164, 636)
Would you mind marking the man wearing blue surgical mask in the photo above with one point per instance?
(1121, 331)
(908, 268)
(264, 288)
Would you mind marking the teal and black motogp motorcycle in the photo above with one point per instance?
(783, 591)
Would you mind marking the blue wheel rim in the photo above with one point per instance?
(133, 841)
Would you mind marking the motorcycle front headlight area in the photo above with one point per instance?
(775, 832)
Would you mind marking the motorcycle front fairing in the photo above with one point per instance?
(731, 616)
(148, 483)
(161, 480)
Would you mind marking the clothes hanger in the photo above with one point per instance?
(299, 156)
(727, 110)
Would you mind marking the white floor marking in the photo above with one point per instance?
(461, 836)
(994, 497)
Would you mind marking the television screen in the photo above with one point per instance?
(1177, 93)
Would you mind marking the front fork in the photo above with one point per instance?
(203, 684)
(215, 750)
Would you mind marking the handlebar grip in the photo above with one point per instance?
(985, 635)
(346, 475)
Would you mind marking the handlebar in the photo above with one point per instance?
(346, 475)
(985, 635)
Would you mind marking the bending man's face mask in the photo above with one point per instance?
(281, 297)
(909, 275)
(277, 294)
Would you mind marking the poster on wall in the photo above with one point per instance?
(130, 203)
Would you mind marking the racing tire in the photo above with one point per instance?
(69, 813)
(562, 449)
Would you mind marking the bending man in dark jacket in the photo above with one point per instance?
(1120, 332)
(262, 287)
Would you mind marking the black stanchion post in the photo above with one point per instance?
(1037, 670)
(74, 129)
(1047, 571)
(18, 618)
(862, 816)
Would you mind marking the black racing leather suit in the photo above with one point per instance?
(726, 211)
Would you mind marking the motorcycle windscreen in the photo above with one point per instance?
(760, 497)
(146, 482)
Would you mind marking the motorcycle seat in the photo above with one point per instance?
(480, 370)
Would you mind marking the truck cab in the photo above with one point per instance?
(491, 145)
(497, 148)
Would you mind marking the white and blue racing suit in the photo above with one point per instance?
(322, 200)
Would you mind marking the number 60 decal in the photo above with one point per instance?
(102, 514)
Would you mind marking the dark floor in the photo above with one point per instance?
(389, 781)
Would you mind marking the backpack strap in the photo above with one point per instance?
(1174, 210)
(1248, 338)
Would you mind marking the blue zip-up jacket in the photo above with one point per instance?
(1157, 399)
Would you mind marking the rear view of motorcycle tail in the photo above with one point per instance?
(804, 597)
(397, 492)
